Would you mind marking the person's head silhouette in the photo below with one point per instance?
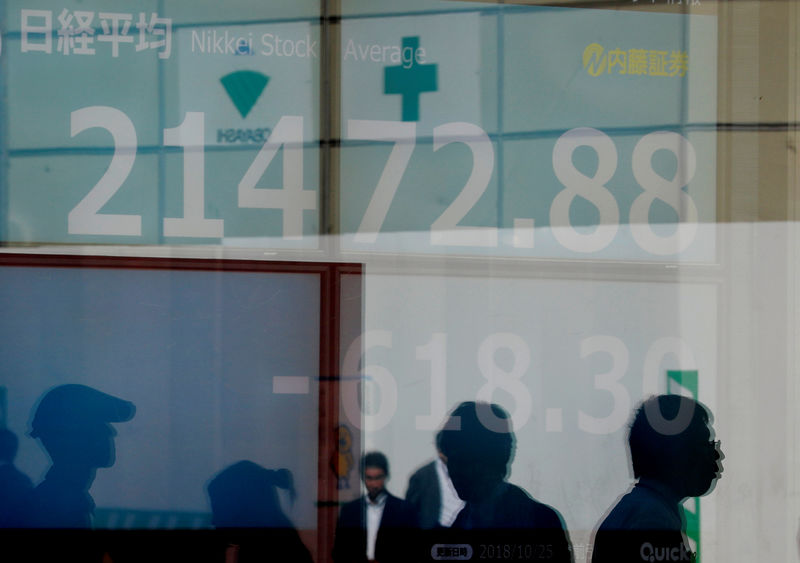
(73, 423)
(244, 495)
(671, 441)
(477, 442)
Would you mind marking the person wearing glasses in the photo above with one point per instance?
(674, 457)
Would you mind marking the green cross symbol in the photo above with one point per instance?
(410, 80)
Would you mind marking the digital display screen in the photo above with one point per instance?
(196, 126)
(278, 252)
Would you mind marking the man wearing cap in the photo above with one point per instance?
(73, 424)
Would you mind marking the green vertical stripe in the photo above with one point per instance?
(688, 380)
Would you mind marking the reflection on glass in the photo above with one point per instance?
(72, 423)
(377, 526)
(674, 457)
(245, 495)
(478, 443)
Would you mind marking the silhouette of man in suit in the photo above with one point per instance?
(15, 486)
(674, 457)
(430, 491)
(73, 424)
(377, 526)
(478, 442)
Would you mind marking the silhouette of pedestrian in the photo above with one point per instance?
(377, 526)
(247, 512)
(73, 424)
(674, 457)
(478, 442)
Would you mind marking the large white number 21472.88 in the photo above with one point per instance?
(86, 219)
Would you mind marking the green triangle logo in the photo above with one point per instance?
(244, 87)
